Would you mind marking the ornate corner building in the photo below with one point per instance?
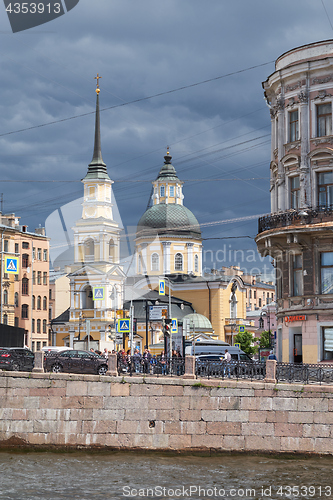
(298, 233)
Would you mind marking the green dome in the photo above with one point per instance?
(168, 219)
(199, 321)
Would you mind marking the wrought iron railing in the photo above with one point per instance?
(151, 366)
(304, 373)
(233, 369)
(309, 215)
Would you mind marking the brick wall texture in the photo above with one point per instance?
(164, 414)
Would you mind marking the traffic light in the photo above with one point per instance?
(167, 327)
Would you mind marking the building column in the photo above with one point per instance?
(305, 192)
(189, 247)
(166, 257)
(281, 138)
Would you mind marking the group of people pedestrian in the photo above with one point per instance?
(148, 363)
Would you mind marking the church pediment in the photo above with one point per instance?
(87, 271)
(116, 270)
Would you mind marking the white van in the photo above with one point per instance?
(218, 350)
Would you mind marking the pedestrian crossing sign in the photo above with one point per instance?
(161, 287)
(98, 293)
(123, 325)
(174, 325)
(11, 265)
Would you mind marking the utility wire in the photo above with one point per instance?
(139, 99)
(328, 17)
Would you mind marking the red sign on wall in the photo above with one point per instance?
(290, 319)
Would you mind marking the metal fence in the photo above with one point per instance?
(152, 366)
(233, 369)
(304, 373)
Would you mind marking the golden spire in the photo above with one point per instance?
(97, 84)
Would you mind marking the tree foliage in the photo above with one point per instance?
(246, 340)
(264, 340)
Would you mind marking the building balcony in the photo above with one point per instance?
(304, 216)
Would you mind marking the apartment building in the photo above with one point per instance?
(24, 280)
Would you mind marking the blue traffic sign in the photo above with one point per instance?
(174, 325)
(98, 293)
(11, 265)
(124, 325)
(241, 329)
(161, 287)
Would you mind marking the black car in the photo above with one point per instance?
(16, 359)
(74, 361)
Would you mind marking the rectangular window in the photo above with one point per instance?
(294, 192)
(328, 343)
(39, 254)
(5, 246)
(39, 277)
(293, 126)
(297, 275)
(16, 321)
(50, 294)
(45, 255)
(326, 261)
(6, 276)
(38, 346)
(324, 119)
(33, 326)
(34, 253)
(162, 191)
(25, 244)
(34, 277)
(254, 294)
(259, 302)
(325, 189)
(16, 248)
(44, 278)
(172, 191)
(33, 346)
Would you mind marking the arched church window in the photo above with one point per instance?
(5, 297)
(155, 262)
(89, 249)
(162, 191)
(111, 250)
(196, 264)
(178, 262)
(5, 319)
(87, 297)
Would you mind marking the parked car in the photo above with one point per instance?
(16, 359)
(74, 361)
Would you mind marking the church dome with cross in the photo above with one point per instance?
(168, 237)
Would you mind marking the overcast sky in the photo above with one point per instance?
(216, 130)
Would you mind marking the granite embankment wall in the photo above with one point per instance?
(40, 409)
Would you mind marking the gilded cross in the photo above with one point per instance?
(97, 78)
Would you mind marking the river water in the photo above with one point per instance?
(108, 476)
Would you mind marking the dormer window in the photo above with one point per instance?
(162, 191)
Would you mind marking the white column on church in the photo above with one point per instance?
(166, 257)
(144, 259)
(189, 247)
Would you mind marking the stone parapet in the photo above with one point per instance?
(62, 410)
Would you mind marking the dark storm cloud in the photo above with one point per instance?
(142, 48)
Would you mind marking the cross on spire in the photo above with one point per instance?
(97, 83)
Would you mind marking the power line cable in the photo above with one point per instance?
(138, 100)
